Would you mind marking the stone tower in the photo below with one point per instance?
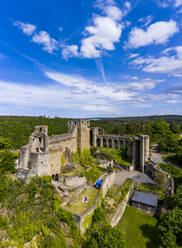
(83, 132)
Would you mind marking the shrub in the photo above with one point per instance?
(86, 158)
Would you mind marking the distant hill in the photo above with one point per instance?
(168, 118)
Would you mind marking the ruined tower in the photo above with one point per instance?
(83, 132)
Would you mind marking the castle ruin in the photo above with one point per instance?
(42, 155)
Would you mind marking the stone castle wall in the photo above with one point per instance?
(137, 146)
(42, 155)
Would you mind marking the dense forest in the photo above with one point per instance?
(167, 118)
(18, 129)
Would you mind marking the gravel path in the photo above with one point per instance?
(155, 155)
(136, 176)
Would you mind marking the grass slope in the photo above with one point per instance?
(139, 229)
(79, 207)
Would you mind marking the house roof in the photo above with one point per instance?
(145, 198)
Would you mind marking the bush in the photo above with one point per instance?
(86, 158)
(91, 174)
(113, 154)
(7, 162)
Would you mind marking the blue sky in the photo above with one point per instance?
(83, 58)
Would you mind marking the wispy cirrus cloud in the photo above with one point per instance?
(167, 3)
(146, 20)
(156, 33)
(169, 63)
(68, 92)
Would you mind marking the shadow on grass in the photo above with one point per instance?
(150, 232)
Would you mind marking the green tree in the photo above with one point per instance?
(160, 179)
(170, 229)
(175, 128)
(106, 237)
(5, 144)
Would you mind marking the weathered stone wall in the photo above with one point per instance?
(57, 149)
(42, 155)
(137, 146)
(74, 181)
(152, 168)
(108, 181)
(120, 210)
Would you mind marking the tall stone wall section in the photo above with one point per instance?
(152, 169)
(42, 155)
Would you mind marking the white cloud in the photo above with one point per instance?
(26, 28)
(113, 12)
(170, 63)
(167, 3)
(157, 33)
(134, 55)
(70, 51)
(178, 3)
(127, 5)
(146, 20)
(80, 96)
(173, 101)
(43, 38)
(105, 31)
(141, 85)
(102, 36)
(81, 84)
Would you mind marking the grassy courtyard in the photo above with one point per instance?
(139, 229)
(79, 207)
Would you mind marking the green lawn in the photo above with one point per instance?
(79, 207)
(138, 228)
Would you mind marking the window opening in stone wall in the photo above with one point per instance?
(115, 144)
(104, 143)
(98, 142)
(110, 143)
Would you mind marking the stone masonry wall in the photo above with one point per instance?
(42, 155)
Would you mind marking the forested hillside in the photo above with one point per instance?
(168, 118)
(18, 129)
